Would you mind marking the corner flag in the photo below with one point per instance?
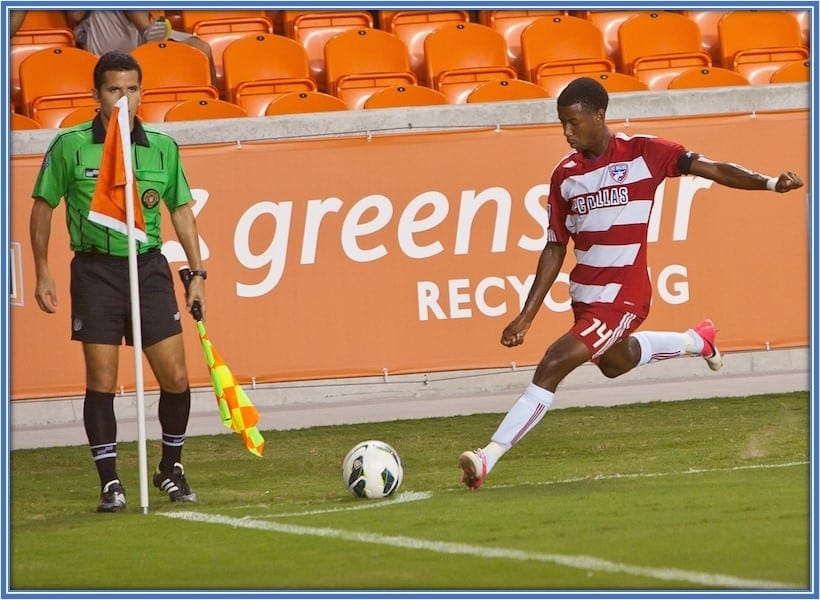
(108, 202)
(114, 205)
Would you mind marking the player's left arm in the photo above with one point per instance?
(736, 176)
(182, 217)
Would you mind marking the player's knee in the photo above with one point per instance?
(550, 371)
(611, 371)
(175, 382)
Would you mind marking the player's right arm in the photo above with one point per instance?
(49, 189)
(549, 265)
(549, 262)
(45, 292)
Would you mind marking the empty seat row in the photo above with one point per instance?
(658, 50)
(312, 30)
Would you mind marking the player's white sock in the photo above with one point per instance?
(525, 414)
(492, 452)
(661, 345)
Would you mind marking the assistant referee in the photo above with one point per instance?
(100, 299)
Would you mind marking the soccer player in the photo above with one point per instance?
(100, 297)
(601, 196)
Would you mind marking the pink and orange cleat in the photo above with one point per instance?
(474, 465)
(707, 331)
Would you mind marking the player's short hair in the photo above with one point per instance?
(586, 92)
(115, 60)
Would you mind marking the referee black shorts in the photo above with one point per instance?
(101, 299)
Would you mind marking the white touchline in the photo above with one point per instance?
(587, 563)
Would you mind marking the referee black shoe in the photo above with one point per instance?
(112, 498)
(175, 485)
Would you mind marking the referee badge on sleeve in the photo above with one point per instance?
(150, 198)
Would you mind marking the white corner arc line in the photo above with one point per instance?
(402, 498)
(588, 563)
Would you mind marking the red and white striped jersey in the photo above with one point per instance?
(603, 205)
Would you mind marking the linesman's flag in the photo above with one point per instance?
(235, 408)
(108, 202)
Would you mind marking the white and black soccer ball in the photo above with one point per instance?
(372, 469)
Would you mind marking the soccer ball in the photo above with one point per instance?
(372, 469)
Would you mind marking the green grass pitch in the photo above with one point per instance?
(688, 495)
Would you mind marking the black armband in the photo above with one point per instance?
(685, 161)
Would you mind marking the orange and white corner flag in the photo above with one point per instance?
(115, 182)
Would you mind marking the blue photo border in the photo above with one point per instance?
(812, 199)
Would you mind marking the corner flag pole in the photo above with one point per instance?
(136, 324)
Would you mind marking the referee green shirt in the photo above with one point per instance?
(70, 169)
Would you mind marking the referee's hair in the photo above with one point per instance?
(115, 60)
(585, 91)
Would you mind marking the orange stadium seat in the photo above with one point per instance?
(794, 72)
(172, 73)
(204, 108)
(413, 26)
(155, 103)
(79, 115)
(556, 50)
(312, 30)
(18, 122)
(169, 64)
(618, 82)
(304, 102)
(758, 43)
(261, 67)
(405, 95)
(54, 81)
(360, 61)
(701, 77)
(510, 24)
(707, 22)
(219, 28)
(503, 90)
(41, 29)
(657, 46)
(804, 21)
(51, 111)
(44, 19)
(459, 56)
(208, 22)
(608, 22)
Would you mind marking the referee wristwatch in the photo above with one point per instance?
(200, 273)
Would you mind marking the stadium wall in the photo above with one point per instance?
(376, 243)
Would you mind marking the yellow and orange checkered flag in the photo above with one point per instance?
(236, 409)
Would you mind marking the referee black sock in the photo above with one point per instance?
(101, 429)
(174, 410)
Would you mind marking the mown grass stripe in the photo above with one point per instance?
(587, 563)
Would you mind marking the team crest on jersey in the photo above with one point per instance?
(150, 198)
(619, 171)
